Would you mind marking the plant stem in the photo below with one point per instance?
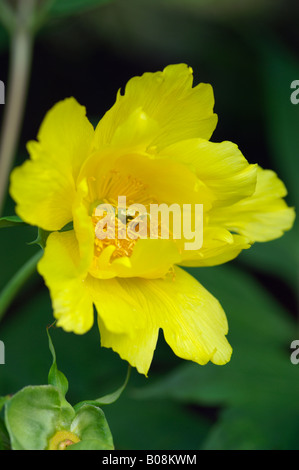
(20, 65)
(16, 283)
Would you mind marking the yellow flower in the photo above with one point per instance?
(152, 146)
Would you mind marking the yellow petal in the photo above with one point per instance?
(138, 350)
(44, 187)
(192, 320)
(167, 181)
(220, 166)
(65, 278)
(150, 259)
(66, 134)
(131, 311)
(119, 310)
(44, 194)
(83, 226)
(263, 216)
(136, 131)
(167, 98)
(220, 246)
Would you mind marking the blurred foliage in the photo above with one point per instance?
(70, 7)
(248, 51)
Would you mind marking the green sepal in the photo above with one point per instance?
(106, 399)
(41, 239)
(69, 226)
(91, 427)
(42, 235)
(34, 414)
(55, 376)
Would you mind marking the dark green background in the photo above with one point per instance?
(249, 52)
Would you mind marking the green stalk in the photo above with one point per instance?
(20, 65)
(16, 283)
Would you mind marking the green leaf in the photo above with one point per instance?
(158, 424)
(11, 221)
(56, 377)
(33, 415)
(251, 429)
(235, 430)
(107, 399)
(255, 376)
(92, 428)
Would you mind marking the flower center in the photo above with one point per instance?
(117, 235)
(62, 439)
(119, 227)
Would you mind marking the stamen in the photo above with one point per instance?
(125, 232)
(116, 184)
(123, 246)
